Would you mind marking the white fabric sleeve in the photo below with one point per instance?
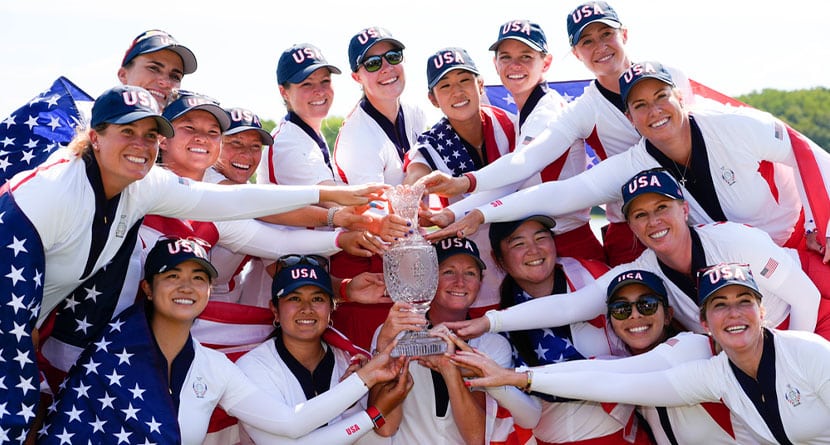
(519, 165)
(787, 280)
(598, 185)
(270, 241)
(649, 389)
(525, 410)
(359, 152)
(344, 431)
(476, 199)
(183, 198)
(681, 348)
(553, 310)
(273, 416)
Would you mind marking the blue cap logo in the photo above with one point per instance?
(525, 31)
(714, 278)
(446, 60)
(650, 181)
(588, 13)
(639, 71)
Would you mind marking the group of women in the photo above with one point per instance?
(664, 332)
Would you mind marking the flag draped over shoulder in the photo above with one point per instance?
(21, 292)
(117, 392)
(41, 126)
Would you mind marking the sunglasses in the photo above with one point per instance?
(294, 259)
(646, 305)
(373, 63)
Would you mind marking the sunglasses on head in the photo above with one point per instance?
(294, 259)
(373, 63)
(646, 305)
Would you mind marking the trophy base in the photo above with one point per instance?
(414, 344)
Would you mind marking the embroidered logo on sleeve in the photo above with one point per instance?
(769, 268)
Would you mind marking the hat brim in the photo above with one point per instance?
(296, 284)
(626, 205)
(189, 64)
(164, 127)
(656, 76)
(530, 43)
(624, 283)
(266, 137)
(741, 283)
(303, 74)
(217, 112)
(610, 22)
(444, 72)
(211, 270)
(362, 55)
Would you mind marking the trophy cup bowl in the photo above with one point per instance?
(410, 271)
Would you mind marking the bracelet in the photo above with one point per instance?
(472, 178)
(330, 216)
(376, 416)
(529, 375)
(344, 294)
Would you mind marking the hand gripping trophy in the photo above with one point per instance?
(410, 270)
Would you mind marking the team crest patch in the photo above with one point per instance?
(793, 395)
(728, 175)
(200, 388)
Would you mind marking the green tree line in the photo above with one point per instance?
(807, 111)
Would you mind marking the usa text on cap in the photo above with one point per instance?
(299, 61)
(714, 278)
(448, 247)
(634, 276)
(243, 119)
(649, 181)
(588, 13)
(169, 253)
(640, 71)
(291, 278)
(524, 31)
(365, 39)
(189, 101)
(157, 40)
(124, 104)
(446, 60)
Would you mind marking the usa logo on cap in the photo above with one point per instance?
(141, 98)
(588, 13)
(650, 181)
(446, 60)
(714, 278)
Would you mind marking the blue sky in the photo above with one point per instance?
(735, 46)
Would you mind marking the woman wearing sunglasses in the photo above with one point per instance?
(298, 366)
(776, 383)
(371, 146)
(526, 251)
(658, 215)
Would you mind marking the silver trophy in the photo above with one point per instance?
(410, 270)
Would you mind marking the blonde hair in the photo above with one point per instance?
(82, 143)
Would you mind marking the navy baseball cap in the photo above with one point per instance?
(713, 278)
(634, 276)
(301, 274)
(157, 40)
(446, 60)
(649, 181)
(640, 71)
(365, 39)
(501, 230)
(189, 101)
(525, 31)
(299, 61)
(448, 247)
(588, 13)
(124, 104)
(169, 253)
(243, 119)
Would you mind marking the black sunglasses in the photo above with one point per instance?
(373, 63)
(294, 259)
(646, 305)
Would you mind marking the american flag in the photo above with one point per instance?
(498, 96)
(47, 122)
(21, 285)
(117, 392)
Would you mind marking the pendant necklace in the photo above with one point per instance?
(685, 169)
